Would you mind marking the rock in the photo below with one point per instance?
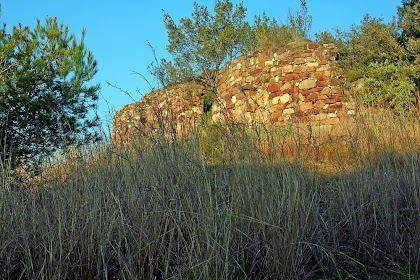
(285, 98)
(307, 84)
(273, 87)
(305, 106)
(288, 69)
(288, 111)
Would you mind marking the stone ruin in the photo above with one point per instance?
(297, 84)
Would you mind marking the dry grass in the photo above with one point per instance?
(225, 203)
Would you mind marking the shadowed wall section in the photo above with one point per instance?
(298, 84)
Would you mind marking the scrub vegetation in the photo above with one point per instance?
(225, 201)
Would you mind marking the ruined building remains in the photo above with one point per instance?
(297, 84)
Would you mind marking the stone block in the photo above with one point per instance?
(321, 83)
(307, 84)
(288, 111)
(312, 97)
(285, 98)
(299, 60)
(319, 104)
(305, 106)
(313, 45)
(274, 94)
(290, 77)
(273, 87)
(285, 86)
(288, 69)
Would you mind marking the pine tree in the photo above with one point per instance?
(45, 95)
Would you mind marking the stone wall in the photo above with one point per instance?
(176, 108)
(298, 84)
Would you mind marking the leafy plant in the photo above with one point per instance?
(388, 83)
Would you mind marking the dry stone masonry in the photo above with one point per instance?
(298, 84)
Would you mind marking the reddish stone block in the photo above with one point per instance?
(294, 89)
(228, 97)
(316, 89)
(273, 87)
(321, 83)
(312, 97)
(337, 105)
(305, 106)
(313, 46)
(287, 62)
(329, 101)
(274, 94)
(310, 69)
(340, 97)
(290, 77)
(305, 92)
(322, 78)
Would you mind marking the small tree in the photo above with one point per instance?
(202, 44)
(44, 93)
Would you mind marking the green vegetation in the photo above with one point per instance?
(383, 58)
(269, 33)
(222, 201)
(45, 99)
(202, 44)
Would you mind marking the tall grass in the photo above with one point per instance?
(224, 203)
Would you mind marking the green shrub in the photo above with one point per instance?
(389, 84)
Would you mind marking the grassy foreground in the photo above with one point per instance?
(224, 203)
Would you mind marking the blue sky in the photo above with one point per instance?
(117, 31)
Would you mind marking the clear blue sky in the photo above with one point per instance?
(117, 31)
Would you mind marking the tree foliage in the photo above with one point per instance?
(373, 40)
(45, 97)
(381, 54)
(409, 23)
(203, 43)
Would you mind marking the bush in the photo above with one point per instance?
(388, 84)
